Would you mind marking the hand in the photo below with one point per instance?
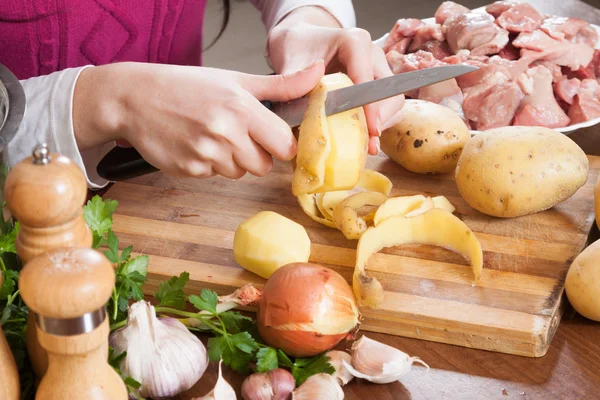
(311, 33)
(190, 121)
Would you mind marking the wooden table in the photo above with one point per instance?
(570, 369)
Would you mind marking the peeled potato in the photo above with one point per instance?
(435, 227)
(583, 282)
(332, 150)
(348, 216)
(429, 139)
(267, 241)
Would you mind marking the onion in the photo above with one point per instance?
(306, 309)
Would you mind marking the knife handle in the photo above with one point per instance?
(123, 163)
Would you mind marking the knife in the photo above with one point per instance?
(126, 163)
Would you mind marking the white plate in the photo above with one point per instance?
(566, 129)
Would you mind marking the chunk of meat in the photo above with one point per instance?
(447, 10)
(591, 71)
(566, 89)
(511, 68)
(498, 7)
(520, 18)
(493, 102)
(400, 63)
(573, 30)
(476, 32)
(459, 58)
(401, 34)
(509, 52)
(440, 50)
(540, 108)
(485, 72)
(425, 34)
(554, 69)
(538, 45)
(586, 103)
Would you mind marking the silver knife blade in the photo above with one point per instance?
(12, 106)
(369, 92)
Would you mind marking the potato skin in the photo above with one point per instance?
(428, 140)
(583, 282)
(514, 171)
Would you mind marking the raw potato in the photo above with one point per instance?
(514, 171)
(429, 139)
(267, 241)
(348, 216)
(436, 227)
(332, 150)
(583, 282)
(409, 206)
(597, 202)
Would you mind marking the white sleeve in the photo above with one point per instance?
(273, 11)
(49, 119)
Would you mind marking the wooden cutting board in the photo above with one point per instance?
(189, 224)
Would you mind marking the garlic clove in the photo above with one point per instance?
(319, 387)
(277, 384)
(378, 362)
(342, 374)
(221, 391)
(244, 296)
(162, 354)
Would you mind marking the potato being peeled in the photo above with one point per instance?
(332, 150)
(583, 282)
(516, 170)
(428, 140)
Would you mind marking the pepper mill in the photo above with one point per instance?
(45, 193)
(10, 388)
(68, 289)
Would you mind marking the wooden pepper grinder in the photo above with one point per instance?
(46, 193)
(9, 375)
(68, 289)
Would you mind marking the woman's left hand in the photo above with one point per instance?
(309, 34)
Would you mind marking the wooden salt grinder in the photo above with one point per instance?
(46, 193)
(68, 289)
(9, 375)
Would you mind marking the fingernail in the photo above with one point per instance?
(377, 145)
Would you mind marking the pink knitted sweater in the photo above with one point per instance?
(38, 37)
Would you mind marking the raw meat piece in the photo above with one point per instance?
(447, 10)
(510, 68)
(573, 30)
(461, 57)
(441, 91)
(498, 7)
(539, 108)
(586, 103)
(566, 89)
(401, 34)
(509, 52)
(484, 73)
(440, 50)
(591, 71)
(476, 32)
(554, 69)
(520, 18)
(425, 34)
(400, 63)
(537, 45)
(525, 82)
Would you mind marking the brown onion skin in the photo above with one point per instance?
(286, 290)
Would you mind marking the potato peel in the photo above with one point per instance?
(347, 215)
(308, 205)
(436, 227)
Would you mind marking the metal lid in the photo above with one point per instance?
(12, 105)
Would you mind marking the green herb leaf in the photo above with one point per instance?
(113, 248)
(284, 360)
(244, 342)
(306, 367)
(98, 214)
(207, 301)
(215, 349)
(9, 283)
(126, 254)
(235, 322)
(8, 240)
(132, 383)
(266, 359)
(170, 293)
(136, 268)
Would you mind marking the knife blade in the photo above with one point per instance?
(126, 163)
(12, 105)
(350, 97)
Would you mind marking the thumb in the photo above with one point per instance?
(284, 87)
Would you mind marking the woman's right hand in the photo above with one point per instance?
(190, 121)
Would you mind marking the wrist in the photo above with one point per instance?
(98, 112)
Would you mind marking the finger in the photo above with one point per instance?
(270, 131)
(250, 156)
(374, 145)
(217, 154)
(389, 109)
(352, 53)
(229, 169)
(123, 143)
(284, 87)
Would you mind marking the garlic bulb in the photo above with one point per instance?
(277, 384)
(162, 354)
(378, 362)
(342, 374)
(221, 391)
(319, 387)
